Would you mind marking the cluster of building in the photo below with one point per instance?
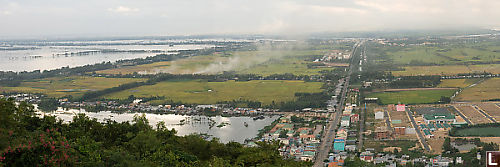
(299, 142)
(334, 55)
(345, 138)
(30, 98)
(393, 160)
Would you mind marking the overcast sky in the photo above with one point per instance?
(25, 18)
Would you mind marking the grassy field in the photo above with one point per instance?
(447, 69)
(443, 55)
(380, 145)
(202, 92)
(457, 83)
(262, 62)
(144, 68)
(483, 131)
(412, 97)
(61, 86)
(486, 90)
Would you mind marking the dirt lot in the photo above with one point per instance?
(437, 142)
(399, 115)
(473, 115)
(492, 109)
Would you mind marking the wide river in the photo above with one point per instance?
(52, 57)
(234, 130)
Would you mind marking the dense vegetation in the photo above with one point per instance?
(469, 158)
(480, 130)
(27, 140)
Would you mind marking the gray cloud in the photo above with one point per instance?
(172, 17)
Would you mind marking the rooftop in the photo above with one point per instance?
(438, 116)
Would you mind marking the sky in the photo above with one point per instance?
(46, 18)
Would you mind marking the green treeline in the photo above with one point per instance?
(27, 140)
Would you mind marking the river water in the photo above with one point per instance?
(52, 57)
(233, 131)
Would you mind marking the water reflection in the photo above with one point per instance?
(234, 129)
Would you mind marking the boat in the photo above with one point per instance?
(258, 117)
(246, 124)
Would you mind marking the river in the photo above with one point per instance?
(233, 131)
(41, 57)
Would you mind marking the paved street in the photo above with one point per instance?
(327, 140)
(419, 133)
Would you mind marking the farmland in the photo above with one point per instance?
(457, 83)
(412, 97)
(449, 54)
(447, 69)
(61, 86)
(486, 90)
(144, 68)
(202, 92)
(262, 62)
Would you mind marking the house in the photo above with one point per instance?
(303, 133)
(290, 133)
(350, 148)
(400, 130)
(339, 144)
(354, 118)
(287, 127)
(400, 107)
(380, 133)
(307, 156)
(379, 115)
(428, 133)
(336, 163)
(439, 118)
(345, 120)
(366, 156)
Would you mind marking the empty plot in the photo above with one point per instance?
(397, 116)
(473, 115)
(492, 109)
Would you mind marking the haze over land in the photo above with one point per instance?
(59, 18)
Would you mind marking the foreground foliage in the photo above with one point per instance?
(26, 140)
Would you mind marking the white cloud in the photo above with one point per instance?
(401, 6)
(5, 13)
(123, 9)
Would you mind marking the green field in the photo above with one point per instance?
(486, 90)
(412, 97)
(74, 85)
(457, 83)
(144, 68)
(202, 92)
(442, 55)
(479, 131)
(265, 61)
(447, 70)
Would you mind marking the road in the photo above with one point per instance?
(462, 115)
(419, 133)
(327, 140)
(388, 120)
(486, 115)
(361, 129)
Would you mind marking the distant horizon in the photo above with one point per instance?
(339, 34)
(59, 18)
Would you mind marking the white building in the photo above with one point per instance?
(379, 115)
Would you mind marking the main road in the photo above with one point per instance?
(327, 140)
(418, 131)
